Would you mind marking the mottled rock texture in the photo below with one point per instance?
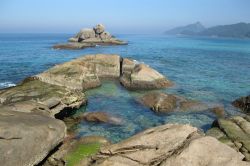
(168, 145)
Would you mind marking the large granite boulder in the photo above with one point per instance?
(36, 96)
(243, 103)
(90, 38)
(85, 34)
(233, 131)
(166, 145)
(27, 138)
(83, 73)
(141, 76)
(99, 29)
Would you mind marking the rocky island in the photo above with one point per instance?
(90, 37)
(32, 131)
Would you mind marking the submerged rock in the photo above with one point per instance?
(101, 117)
(163, 103)
(243, 103)
(27, 138)
(140, 76)
(90, 38)
(168, 145)
(233, 131)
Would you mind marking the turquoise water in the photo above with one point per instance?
(212, 70)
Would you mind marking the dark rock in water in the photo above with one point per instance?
(140, 76)
(160, 102)
(101, 117)
(73, 45)
(163, 103)
(235, 132)
(243, 103)
(27, 138)
(90, 38)
(166, 145)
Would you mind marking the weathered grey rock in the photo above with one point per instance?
(163, 103)
(83, 73)
(86, 34)
(168, 145)
(99, 28)
(27, 138)
(142, 76)
(37, 96)
(243, 103)
(76, 75)
(235, 132)
(106, 66)
(105, 36)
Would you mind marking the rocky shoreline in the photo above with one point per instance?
(31, 132)
(90, 37)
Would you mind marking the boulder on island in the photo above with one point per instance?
(170, 144)
(233, 131)
(140, 76)
(90, 37)
(27, 138)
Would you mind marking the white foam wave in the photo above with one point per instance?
(6, 84)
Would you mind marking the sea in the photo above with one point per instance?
(214, 71)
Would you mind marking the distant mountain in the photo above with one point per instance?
(190, 29)
(239, 30)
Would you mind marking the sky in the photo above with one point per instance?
(119, 16)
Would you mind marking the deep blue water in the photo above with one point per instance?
(212, 70)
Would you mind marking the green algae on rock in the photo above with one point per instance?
(233, 131)
(170, 144)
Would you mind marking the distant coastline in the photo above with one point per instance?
(238, 30)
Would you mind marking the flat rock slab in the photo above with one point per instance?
(34, 95)
(27, 138)
(168, 145)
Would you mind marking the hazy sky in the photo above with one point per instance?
(119, 16)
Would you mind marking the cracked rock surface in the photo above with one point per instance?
(168, 145)
(27, 138)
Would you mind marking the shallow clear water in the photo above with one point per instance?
(214, 71)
